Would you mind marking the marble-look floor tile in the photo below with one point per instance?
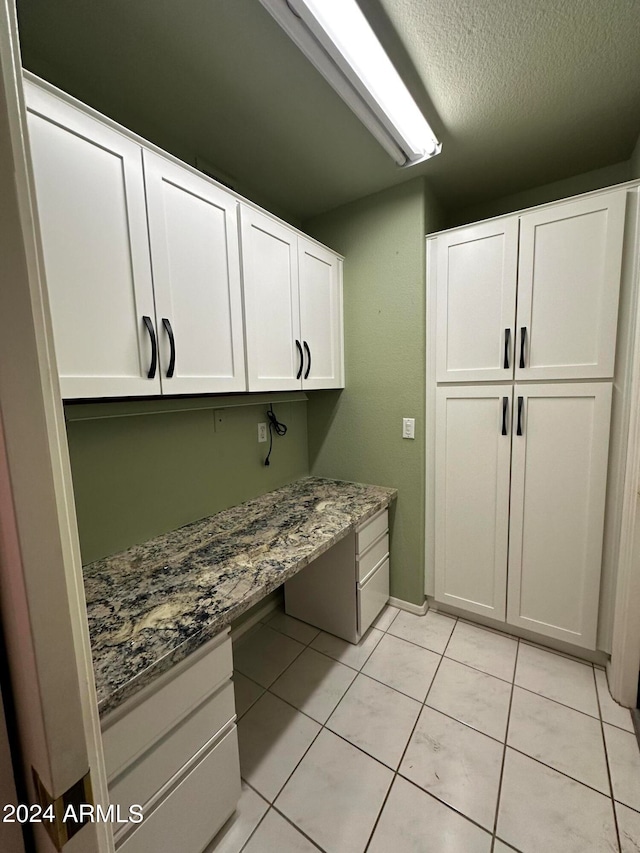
(314, 683)
(348, 653)
(611, 712)
(475, 698)
(431, 631)
(501, 847)
(246, 693)
(483, 649)
(624, 764)
(376, 718)
(558, 678)
(629, 829)
(335, 794)
(457, 765)
(385, 618)
(276, 835)
(272, 737)
(414, 822)
(403, 666)
(293, 628)
(248, 814)
(543, 811)
(566, 740)
(264, 655)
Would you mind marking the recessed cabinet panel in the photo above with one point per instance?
(559, 470)
(568, 285)
(473, 447)
(476, 302)
(194, 248)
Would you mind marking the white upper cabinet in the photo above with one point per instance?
(476, 302)
(568, 286)
(91, 207)
(193, 231)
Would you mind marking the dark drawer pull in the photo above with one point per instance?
(299, 373)
(520, 408)
(154, 347)
(507, 347)
(505, 409)
(523, 344)
(172, 343)
(308, 352)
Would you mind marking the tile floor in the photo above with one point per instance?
(431, 735)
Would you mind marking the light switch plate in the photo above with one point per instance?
(408, 427)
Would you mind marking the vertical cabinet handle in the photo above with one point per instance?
(523, 344)
(507, 348)
(172, 343)
(154, 347)
(505, 409)
(520, 408)
(308, 352)
(299, 373)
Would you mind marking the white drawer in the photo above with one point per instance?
(131, 729)
(147, 775)
(371, 530)
(190, 816)
(374, 555)
(372, 596)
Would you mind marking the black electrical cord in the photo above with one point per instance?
(274, 425)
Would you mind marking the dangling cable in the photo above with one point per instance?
(274, 425)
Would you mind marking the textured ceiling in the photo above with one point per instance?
(521, 92)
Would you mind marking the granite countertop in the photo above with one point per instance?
(153, 604)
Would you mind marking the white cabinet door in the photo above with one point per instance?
(320, 278)
(568, 285)
(473, 449)
(193, 230)
(91, 207)
(559, 477)
(272, 312)
(476, 302)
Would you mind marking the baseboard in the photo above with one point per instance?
(409, 606)
(258, 616)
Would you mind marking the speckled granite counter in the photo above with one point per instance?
(152, 605)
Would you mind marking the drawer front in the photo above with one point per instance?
(371, 558)
(194, 811)
(146, 776)
(371, 530)
(373, 595)
(132, 729)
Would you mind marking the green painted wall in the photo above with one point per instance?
(143, 474)
(635, 161)
(355, 434)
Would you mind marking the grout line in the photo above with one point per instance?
(504, 752)
(556, 702)
(606, 758)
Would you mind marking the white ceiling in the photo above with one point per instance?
(520, 92)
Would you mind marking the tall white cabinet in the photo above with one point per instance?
(523, 321)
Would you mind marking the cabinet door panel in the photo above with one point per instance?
(320, 276)
(272, 314)
(472, 506)
(559, 472)
(91, 207)
(568, 285)
(476, 302)
(193, 231)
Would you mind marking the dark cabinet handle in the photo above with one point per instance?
(507, 347)
(523, 343)
(299, 373)
(505, 408)
(308, 352)
(154, 348)
(520, 408)
(172, 343)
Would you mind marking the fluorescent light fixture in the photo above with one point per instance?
(336, 37)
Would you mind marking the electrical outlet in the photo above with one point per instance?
(408, 427)
(262, 432)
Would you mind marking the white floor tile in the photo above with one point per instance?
(612, 713)
(314, 683)
(250, 810)
(335, 794)
(386, 618)
(431, 631)
(376, 718)
(629, 829)
(272, 737)
(348, 653)
(624, 764)
(455, 764)
(542, 811)
(265, 654)
(414, 822)
(403, 666)
(566, 740)
(501, 847)
(483, 649)
(473, 697)
(293, 628)
(276, 835)
(558, 678)
(246, 692)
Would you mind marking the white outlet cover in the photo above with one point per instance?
(408, 427)
(262, 432)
